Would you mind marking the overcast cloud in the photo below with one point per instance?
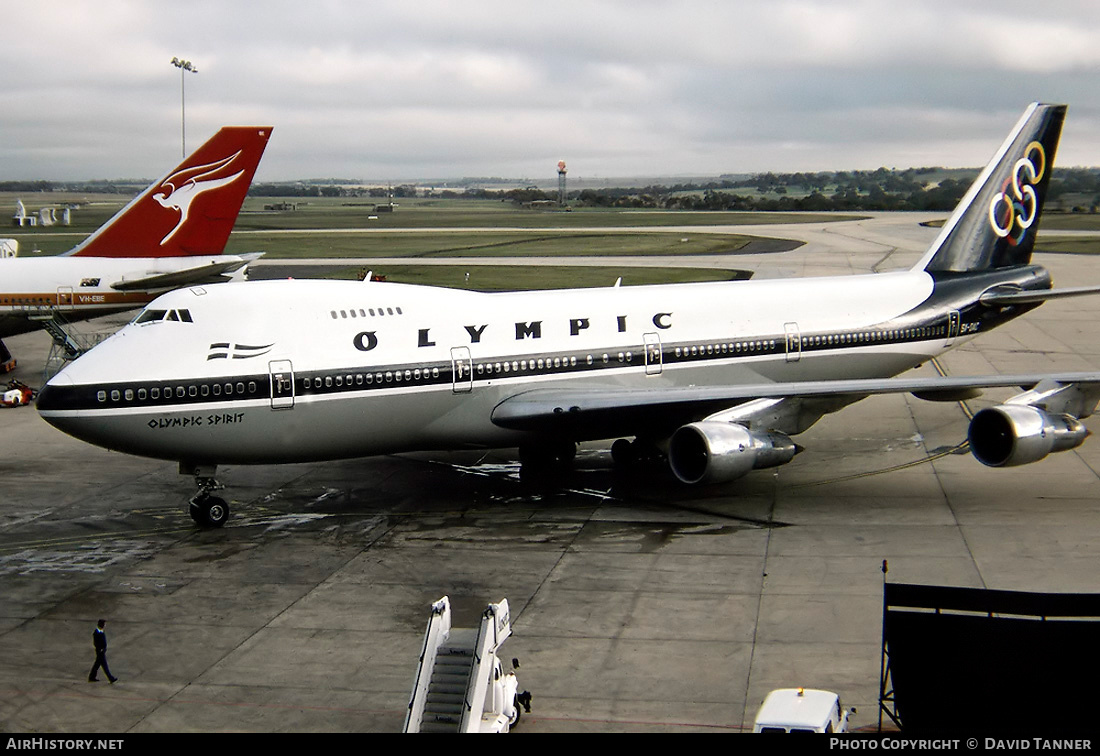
(391, 91)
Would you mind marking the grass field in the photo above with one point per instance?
(333, 227)
(428, 245)
(530, 277)
(338, 227)
(322, 227)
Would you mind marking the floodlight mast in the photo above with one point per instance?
(183, 66)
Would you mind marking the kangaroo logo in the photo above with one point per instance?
(1015, 207)
(180, 189)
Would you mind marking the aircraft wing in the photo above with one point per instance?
(216, 271)
(572, 411)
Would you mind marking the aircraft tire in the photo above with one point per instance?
(210, 511)
(547, 455)
(622, 453)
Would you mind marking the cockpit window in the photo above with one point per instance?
(152, 316)
(148, 316)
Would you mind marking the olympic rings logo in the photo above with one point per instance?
(1014, 209)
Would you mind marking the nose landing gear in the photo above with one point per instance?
(207, 510)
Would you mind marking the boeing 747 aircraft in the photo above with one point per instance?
(717, 377)
(171, 235)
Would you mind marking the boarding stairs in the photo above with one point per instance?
(53, 325)
(68, 343)
(460, 685)
(451, 673)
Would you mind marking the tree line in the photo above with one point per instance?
(1071, 189)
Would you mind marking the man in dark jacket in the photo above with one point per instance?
(99, 639)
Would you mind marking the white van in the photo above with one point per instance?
(801, 710)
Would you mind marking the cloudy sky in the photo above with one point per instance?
(402, 90)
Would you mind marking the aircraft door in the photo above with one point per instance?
(654, 360)
(952, 327)
(281, 373)
(462, 370)
(794, 342)
(65, 297)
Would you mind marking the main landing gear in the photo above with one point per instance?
(547, 454)
(207, 510)
(640, 451)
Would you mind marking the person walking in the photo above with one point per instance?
(99, 640)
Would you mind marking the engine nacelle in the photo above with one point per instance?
(714, 452)
(1017, 434)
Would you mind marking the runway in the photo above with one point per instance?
(638, 605)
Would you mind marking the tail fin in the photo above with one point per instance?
(994, 225)
(191, 210)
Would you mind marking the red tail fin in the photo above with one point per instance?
(191, 210)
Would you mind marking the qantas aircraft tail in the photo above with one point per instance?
(192, 209)
(994, 225)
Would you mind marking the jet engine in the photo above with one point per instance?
(713, 451)
(1017, 434)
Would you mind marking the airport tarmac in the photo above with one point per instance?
(638, 605)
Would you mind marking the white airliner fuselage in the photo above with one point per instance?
(380, 367)
(716, 377)
(83, 286)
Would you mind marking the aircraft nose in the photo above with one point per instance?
(51, 397)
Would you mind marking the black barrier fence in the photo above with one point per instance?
(969, 659)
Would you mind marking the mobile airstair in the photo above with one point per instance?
(460, 683)
(68, 342)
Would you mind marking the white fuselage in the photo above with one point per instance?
(80, 287)
(282, 371)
